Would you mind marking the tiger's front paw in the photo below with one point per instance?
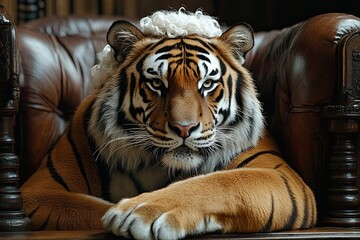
(141, 221)
(156, 220)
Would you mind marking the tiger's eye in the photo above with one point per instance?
(156, 83)
(207, 84)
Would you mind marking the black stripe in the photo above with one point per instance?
(206, 45)
(239, 100)
(187, 54)
(252, 157)
(226, 112)
(142, 91)
(164, 49)
(122, 90)
(134, 111)
(58, 221)
(222, 66)
(87, 117)
(54, 174)
(30, 214)
(220, 96)
(160, 69)
(206, 68)
(157, 44)
(122, 121)
(214, 72)
(278, 166)
(152, 71)
(230, 89)
(196, 70)
(305, 222)
(43, 226)
(164, 56)
(195, 48)
(102, 168)
(313, 212)
(105, 180)
(78, 156)
(294, 211)
(268, 225)
(204, 58)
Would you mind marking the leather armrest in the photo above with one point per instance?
(296, 70)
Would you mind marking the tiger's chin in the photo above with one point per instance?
(183, 159)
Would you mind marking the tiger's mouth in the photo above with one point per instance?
(183, 151)
(182, 158)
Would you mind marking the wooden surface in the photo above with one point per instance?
(315, 233)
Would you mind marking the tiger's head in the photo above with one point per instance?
(183, 101)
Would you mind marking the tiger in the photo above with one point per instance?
(171, 143)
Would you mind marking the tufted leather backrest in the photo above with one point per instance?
(295, 70)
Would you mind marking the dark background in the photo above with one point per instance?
(270, 14)
(260, 14)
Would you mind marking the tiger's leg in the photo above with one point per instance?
(56, 202)
(241, 200)
(60, 210)
(261, 193)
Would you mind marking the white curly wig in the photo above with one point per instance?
(180, 23)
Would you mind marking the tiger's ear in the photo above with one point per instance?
(240, 39)
(121, 37)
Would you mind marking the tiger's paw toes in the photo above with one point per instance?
(128, 223)
(162, 229)
(167, 226)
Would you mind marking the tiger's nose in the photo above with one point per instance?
(183, 131)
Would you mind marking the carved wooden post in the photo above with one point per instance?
(342, 198)
(12, 217)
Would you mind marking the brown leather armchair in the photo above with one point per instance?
(308, 76)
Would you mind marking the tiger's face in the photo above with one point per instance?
(186, 102)
(182, 99)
